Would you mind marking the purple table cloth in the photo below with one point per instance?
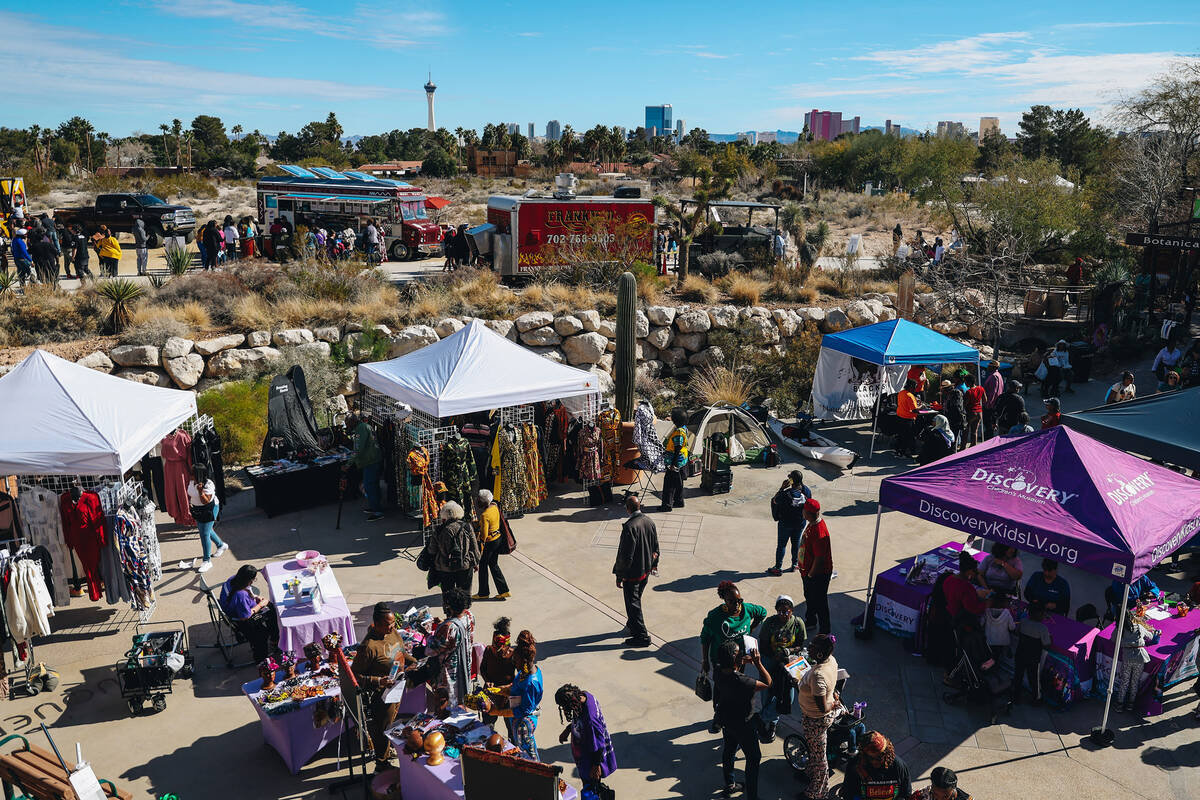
(899, 606)
(1172, 659)
(443, 782)
(292, 734)
(298, 623)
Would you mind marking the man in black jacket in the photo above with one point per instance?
(1009, 407)
(637, 559)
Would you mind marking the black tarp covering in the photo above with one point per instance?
(1164, 426)
(289, 417)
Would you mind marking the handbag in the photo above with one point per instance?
(597, 790)
(508, 542)
(425, 559)
(203, 513)
(704, 688)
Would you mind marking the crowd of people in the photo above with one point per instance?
(37, 247)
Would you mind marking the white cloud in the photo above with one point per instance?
(701, 54)
(970, 53)
(530, 34)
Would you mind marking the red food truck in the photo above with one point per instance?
(527, 233)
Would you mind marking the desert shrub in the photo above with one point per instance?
(806, 294)
(714, 265)
(216, 292)
(856, 210)
(697, 289)
(239, 412)
(191, 315)
(43, 314)
(743, 290)
(713, 385)
(154, 331)
(791, 219)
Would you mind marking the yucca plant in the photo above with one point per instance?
(121, 292)
(7, 281)
(179, 259)
(158, 280)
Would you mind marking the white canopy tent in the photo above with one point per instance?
(475, 369)
(63, 419)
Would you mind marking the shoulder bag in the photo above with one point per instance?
(508, 542)
(704, 687)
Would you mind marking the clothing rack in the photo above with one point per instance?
(112, 498)
(63, 483)
(516, 415)
(199, 424)
(588, 415)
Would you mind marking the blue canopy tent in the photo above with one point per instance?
(846, 387)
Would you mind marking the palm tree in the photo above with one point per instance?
(236, 130)
(35, 132)
(568, 143)
(692, 220)
(177, 132)
(166, 149)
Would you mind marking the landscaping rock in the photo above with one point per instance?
(135, 355)
(414, 337)
(541, 337)
(263, 338)
(674, 357)
(604, 382)
(887, 313)
(337, 405)
(590, 319)
(503, 327)
(448, 327)
(227, 362)
(812, 314)
(762, 330)
(723, 317)
(185, 370)
(951, 328)
(606, 362)
(708, 357)
(567, 326)
(329, 333)
(977, 331)
(760, 311)
(320, 349)
(147, 376)
(607, 327)
(785, 321)
(356, 349)
(97, 361)
(208, 347)
(641, 325)
(660, 315)
(648, 369)
(859, 313)
(177, 347)
(876, 306)
(975, 298)
(611, 347)
(552, 353)
(263, 354)
(660, 337)
(692, 342)
(835, 320)
(889, 299)
(292, 337)
(695, 321)
(353, 327)
(586, 348)
(533, 320)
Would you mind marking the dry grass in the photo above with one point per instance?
(430, 306)
(190, 314)
(563, 298)
(252, 312)
(882, 287)
(742, 289)
(715, 385)
(697, 289)
(806, 294)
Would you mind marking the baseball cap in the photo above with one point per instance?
(812, 505)
(785, 598)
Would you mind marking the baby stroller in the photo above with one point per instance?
(840, 742)
(975, 674)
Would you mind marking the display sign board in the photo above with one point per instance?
(1163, 240)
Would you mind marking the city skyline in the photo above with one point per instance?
(259, 70)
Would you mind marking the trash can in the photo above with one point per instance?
(1081, 362)
(1035, 303)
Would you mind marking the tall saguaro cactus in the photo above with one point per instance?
(625, 360)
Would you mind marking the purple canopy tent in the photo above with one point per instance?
(1059, 494)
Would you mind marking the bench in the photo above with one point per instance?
(38, 775)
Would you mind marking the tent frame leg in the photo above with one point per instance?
(864, 632)
(875, 416)
(1102, 736)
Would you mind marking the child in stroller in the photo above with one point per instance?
(841, 743)
(976, 674)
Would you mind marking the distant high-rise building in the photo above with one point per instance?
(430, 88)
(988, 125)
(651, 132)
(553, 130)
(513, 127)
(530, 128)
(891, 129)
(660, 119)
(680, 129)
(851, 125)
(765, 137)
(750, 137)
(828, 125)
(954, 130)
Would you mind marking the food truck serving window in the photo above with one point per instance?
(414, 209)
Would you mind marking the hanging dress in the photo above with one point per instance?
(534, 477)
(418, 466)
(458, 471)
(83, 530)
(589, 453)
(513, 482)
(609, 422)
(177, 474)
(645, 438)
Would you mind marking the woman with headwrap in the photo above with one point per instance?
(937, 442)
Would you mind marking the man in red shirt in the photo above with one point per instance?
(962, 590)
(916, 374)
(906, 419)
(816, 568)
(973, 406)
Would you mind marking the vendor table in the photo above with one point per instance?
(900, 606)
(299, 624)
(1172, 658)
(285, 486)
(292, 734)
(1069, 657)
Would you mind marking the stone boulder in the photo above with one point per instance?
(723, 317)
(673, 357)
(641, 325)
(606, 362)
(835, 320)
(356, 348)
(811, 314)
(692, 342)
(541, 337)
(975, 298)
(448, 327)
(950, 328)
(585, 348)
(145, 375)
(503, 327)
(660, 337)
(604, 382)
(709, 356)
(185, 370)
(648, 369)
(264, 354)
(291, 337)
(414, 337)
(533, 320)
(977, 331)
(208, 347)
(263, 338)
(608, 328)
(567, 325)
(694, 321)
(762, 330)
(876, 306)
(590, 319)
(887, 313)
(97, 361)
(228, 362)
(135, 355)
(860, 313)
(552, 353)
(177, 347)
(328, 333)
(319, 349)
(660, 315)
(786, 321)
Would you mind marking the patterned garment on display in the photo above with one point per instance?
(135, 559)
(534, 477)
(458, 470)
(555, 439)
(418, 465)
(41, 520)
(589, 453)
(609, 422)
(646, 439)
(513, 483)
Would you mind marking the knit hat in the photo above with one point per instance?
(812, 505)
(784, 598)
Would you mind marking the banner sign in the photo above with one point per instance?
(1162, 240)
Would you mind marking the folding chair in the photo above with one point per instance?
(228, 635)
(645, 479)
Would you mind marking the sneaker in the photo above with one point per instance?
(481, 596)
(792, 568)
(205, 566)
(775, 571)
(733, 788)
(222, 550)
(714, 726)
(374, 516)
(504, 595)
(633, 641)
(833, 575)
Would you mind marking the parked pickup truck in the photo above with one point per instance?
(118, 212)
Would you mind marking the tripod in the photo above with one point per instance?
(354, 731)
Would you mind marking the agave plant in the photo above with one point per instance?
(158, 280)
(179, 259)
(121, 292)
(7, 281)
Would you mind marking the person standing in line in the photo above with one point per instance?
(787, 509)
(591, 744)
(140, 244)
(212, 244)
(637, 560)
(249, 240)
(109, 250)
(490, 542)
(21, 257)
(676, 457)
(449, 246)
(454, 549)
(735, 708)
(731, 622)
(906, 419)
(973, 405)
(368, 459)
(232, 239)
(79, 252)
(952, 408)
(993, 390)
(897, 238)
(45, 257)
(373, 241)
(816, 568)
(1009, 407)
(377, 664)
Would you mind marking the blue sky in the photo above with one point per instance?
(275, 64)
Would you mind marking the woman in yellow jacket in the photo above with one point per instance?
(490, 541)
(110, 251)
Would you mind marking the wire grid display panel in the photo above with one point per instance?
(516, 415)
(678, 534)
